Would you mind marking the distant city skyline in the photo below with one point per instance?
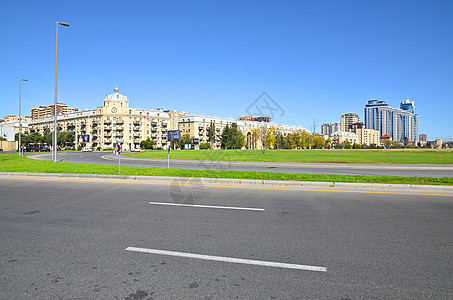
(316, 60)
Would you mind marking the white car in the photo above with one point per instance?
(136, 150)
(86, 149)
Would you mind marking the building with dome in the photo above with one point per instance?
(113, 122)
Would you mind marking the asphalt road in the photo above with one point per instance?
(67, 239)
(306, 168)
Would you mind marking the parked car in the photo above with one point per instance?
(1, 150)
(35, 149)
(44, 149)
(27, 149)
(86, 149)
(136, 150)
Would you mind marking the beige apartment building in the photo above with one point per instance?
(113, 122)
(366, 136)
(347, 120)
(342, 136)
(9, 119)
(197, 127)
(45, 111)
(174, 118)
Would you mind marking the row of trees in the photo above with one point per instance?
(64, 138)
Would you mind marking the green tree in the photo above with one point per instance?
(280, 142)
(65, 139)
(47, 137)
(232, 137)
(185, 139)
(36, 138)
(147, 144)
(211, 134)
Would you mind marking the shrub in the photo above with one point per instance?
(205, 146)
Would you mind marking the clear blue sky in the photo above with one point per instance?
(316, 59)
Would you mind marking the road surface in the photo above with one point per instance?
(74, 238)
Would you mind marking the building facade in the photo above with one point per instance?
(347, 120)
(197, 127)
(329, 128)
(9, 119)
(174, 118)
(114, 122)
(45, 111)
(400, 124)
(366, 136)
(340, 137)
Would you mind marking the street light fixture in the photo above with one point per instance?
(55, 111)
(20, 127)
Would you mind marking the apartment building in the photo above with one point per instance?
(342, 136)
(45, 111)
(197, 127)
(365, 136)
(9, 119)
(329, 128)
(114, 122)
(400, 124)
(347, 120)
(174, 118)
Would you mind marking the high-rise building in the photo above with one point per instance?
(400, 124)
(422, 137)
(329, 128)
(347, 120)
(45, 111)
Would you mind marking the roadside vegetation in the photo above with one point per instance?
(357, 156)
(11, 162)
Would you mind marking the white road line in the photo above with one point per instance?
(229, 259)
(207, 206)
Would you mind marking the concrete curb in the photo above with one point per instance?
(254, 182)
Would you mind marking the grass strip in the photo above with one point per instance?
(13, 163)
(357, 156)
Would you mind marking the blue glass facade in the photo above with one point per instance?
(398, 123)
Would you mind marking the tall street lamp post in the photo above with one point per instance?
(55, 111)
(20, 127)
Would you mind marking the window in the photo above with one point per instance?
(130, 112)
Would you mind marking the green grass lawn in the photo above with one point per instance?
(310, 156)
(11, 162)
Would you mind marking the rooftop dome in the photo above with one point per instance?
(116, 95)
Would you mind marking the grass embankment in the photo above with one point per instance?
(310, 156)
(10, 162)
